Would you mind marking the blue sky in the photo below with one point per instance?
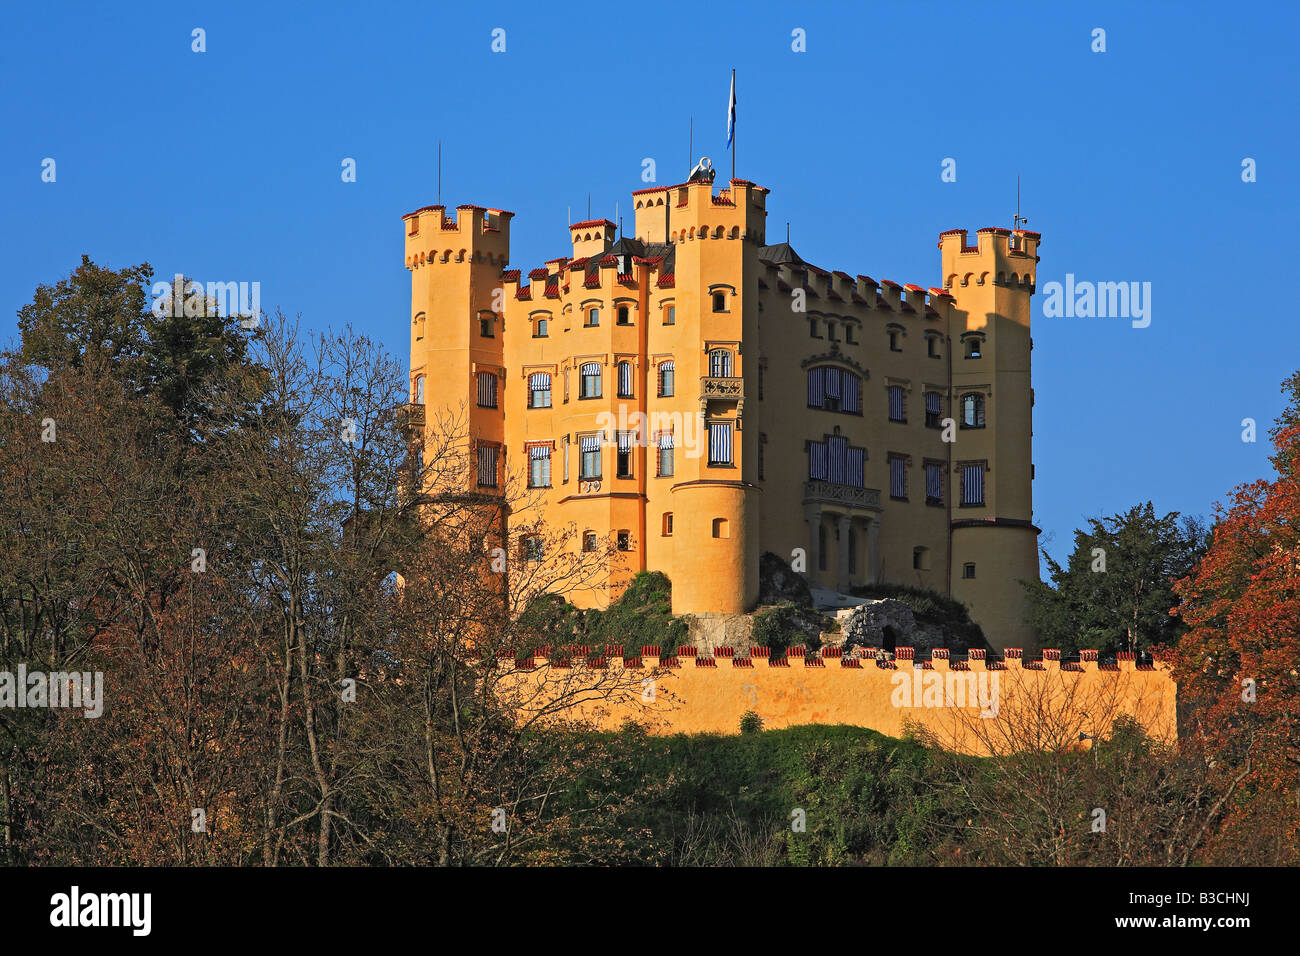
(226, 165)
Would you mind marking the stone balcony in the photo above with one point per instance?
(410, 416)
(715, 388)
(829, 493)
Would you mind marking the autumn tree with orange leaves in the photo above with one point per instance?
(1238, 667)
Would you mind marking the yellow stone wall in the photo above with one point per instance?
(706, 695)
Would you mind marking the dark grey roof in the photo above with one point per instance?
(780, 254)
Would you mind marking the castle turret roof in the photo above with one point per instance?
(779, 254)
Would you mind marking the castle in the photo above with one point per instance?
(699, 396)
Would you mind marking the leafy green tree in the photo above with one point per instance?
(1115, 591)
(106, 314)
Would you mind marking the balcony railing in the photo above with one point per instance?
(717, 387)
(410, 416)
(828, 492)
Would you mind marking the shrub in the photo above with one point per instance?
(750, 722)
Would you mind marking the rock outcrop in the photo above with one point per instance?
(777, 584)
(888, 624)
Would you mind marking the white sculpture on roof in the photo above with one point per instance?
(703, 171)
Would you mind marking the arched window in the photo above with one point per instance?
(666, 379)
(590, 387)
(720, 363)
(972, 410)
(539, 390)
(419, 389)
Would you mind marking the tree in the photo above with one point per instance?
(1115, 591)
(1237, 665)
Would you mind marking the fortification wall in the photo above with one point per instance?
(973, 705)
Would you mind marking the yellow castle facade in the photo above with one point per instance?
(698, 396)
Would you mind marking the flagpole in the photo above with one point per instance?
(734, 124)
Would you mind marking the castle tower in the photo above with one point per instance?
(715, 494)
(457, 328)
(994, 541)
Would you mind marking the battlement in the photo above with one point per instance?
(940, 658)
(690, 692)
(692, 210)
(1003, 257)
(474, 234)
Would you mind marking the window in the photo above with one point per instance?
(624, 315)
(624, 539)
(624, 379)
(668, 524)
(973, 347)
(848, 335)
(666, 379)
(487, 390)
(894, 345)
(830, 331)
(624, 466)
(589, 445)
(593, 317)
(485, 327)
(720, 528)
(933, 483)
(972, 410)
(719, 444)
(896, 407)
(564, 450)
(540, 330)
(933, 409)
(921, 559)
(812, 329)
(968, 570)
(932, 346)
(539, 390)
(762, 369)
(532, 548)
(590, 383)
(670, 315)
(972, 485)
(720, 363)
(419, 389)
(719, 302)
(666, 455)
(487, 466)
(836, 461)
(589, 541)
(853, 551)
(834, 390)
(898, 477)
(539, 466)
(762, 442)
(821, 547)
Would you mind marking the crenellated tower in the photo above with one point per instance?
(994, 541)
(456, 324)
